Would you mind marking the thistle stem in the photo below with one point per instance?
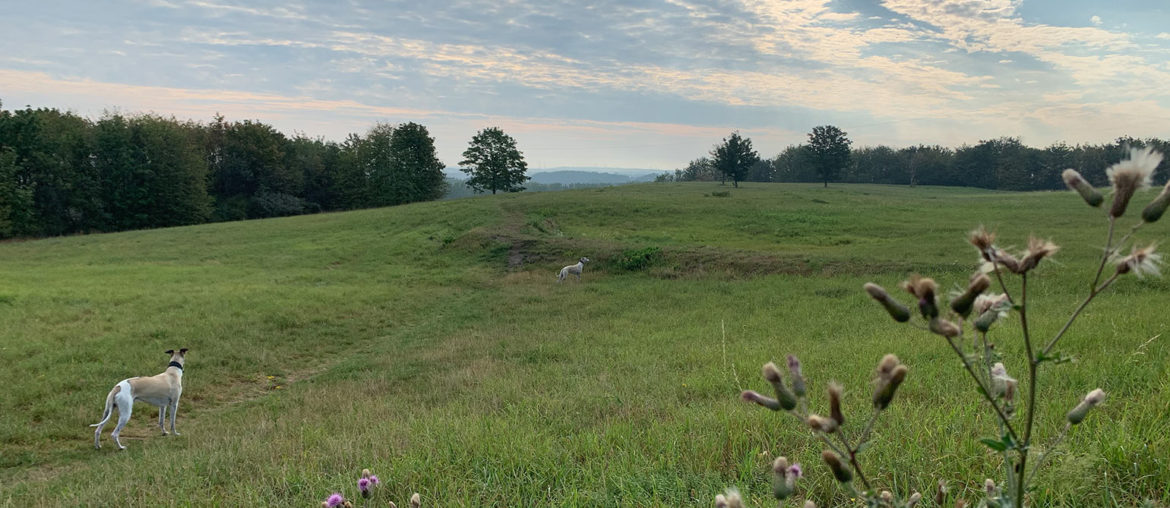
(986, 391)
(1092, 294)
(1032, 364)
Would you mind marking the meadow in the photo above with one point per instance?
(431, 344)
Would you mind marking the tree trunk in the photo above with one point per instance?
(826, 184)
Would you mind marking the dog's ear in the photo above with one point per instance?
(183, 351)
(170, 351)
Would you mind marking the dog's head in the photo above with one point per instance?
(178, 357)
(584, 260)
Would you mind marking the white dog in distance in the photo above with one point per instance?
(572, 269)
(162, 390)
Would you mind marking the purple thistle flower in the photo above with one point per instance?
(795, 471)
(374, 480)
(364, 484)
(334, 500)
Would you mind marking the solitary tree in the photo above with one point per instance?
(829, 150)
(494, 162)
(734, 157)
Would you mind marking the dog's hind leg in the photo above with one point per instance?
(174, 412)
(125, 407)
(162, 418)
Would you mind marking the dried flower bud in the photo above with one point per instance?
(347, 504)
(1078, 183)
(1157, 207)
(925, 290)
(840, 471)
(963, 303)
(365, 473)
(810, 504)
(1130, 175)
(887, 497)
(984, 242)
(753, 396)
(415, 500)
(1077, 415)
(392, 505)
(885, 367)
(783, 395)
(943, 327)
(1037, 250)
(729, 499)
(984, 321)
(835, 413)
(960, 504)
(989, 487)
(781, 486)
(1008, 261)
(940, 495)
(915, 498)
(798, 387)
(896, 310)
(887, 387)
(822, 424)
(1002, 384)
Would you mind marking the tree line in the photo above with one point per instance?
(61, 173)
(1004, 163)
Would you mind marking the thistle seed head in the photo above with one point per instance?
(963, 303)
(925, 290)
(984, 242)
(798, 387)
(753, 396)
(1141, 262)
(821, 424)
(1130, 175)
(915, 498)
(1077, 415)
(886, 389)
(1037, 250)
(1157, 207)
(943, 327)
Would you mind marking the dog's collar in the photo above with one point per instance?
(175, 364)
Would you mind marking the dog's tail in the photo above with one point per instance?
(109, 406)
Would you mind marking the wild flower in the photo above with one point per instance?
(1037, 250)
(334, 500)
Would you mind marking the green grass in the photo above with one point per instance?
(431, 344)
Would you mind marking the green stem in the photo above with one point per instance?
(985, 390)
(1032, 365)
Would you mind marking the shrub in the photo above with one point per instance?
(633, 260)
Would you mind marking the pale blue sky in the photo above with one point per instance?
(638, 83)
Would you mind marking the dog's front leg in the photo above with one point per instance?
(162, 418)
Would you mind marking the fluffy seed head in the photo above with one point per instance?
(1141, 262)
(780, 465)
(783, 395)
(886, 388)
(924, 289)
(989, 487)
(886, 366)
(1130, 175)
(729, 499)
(798, 387)
(415, 500)
(365, 473)
(940, 495)
(887, 497)
(1078, 183)
(772, 373)
(962, 304)
(810, 504)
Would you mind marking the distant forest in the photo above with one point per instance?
(61, 173)
(1003, 163)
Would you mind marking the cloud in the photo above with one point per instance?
(1095, 20)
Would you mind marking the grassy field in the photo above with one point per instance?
(431, 344)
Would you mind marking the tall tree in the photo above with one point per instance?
(734, 157)
(829, 150)
(416, 165)
(494, 162)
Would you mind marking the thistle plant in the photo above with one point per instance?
(367, 485)
(966, 323)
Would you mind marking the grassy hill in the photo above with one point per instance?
(431, 344)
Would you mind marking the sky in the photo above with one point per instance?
(609, 83)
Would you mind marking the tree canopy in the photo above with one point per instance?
(829, 151)
(494, 163)
(734, 157)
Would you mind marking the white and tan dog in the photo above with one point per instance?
(162, 390)
(572, 269)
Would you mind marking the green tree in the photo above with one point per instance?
(494, 163)
(16, 199)
(734, 157)
(829, 150)
(416, 166)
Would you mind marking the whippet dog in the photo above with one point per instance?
(162, 390)
(572, 269)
